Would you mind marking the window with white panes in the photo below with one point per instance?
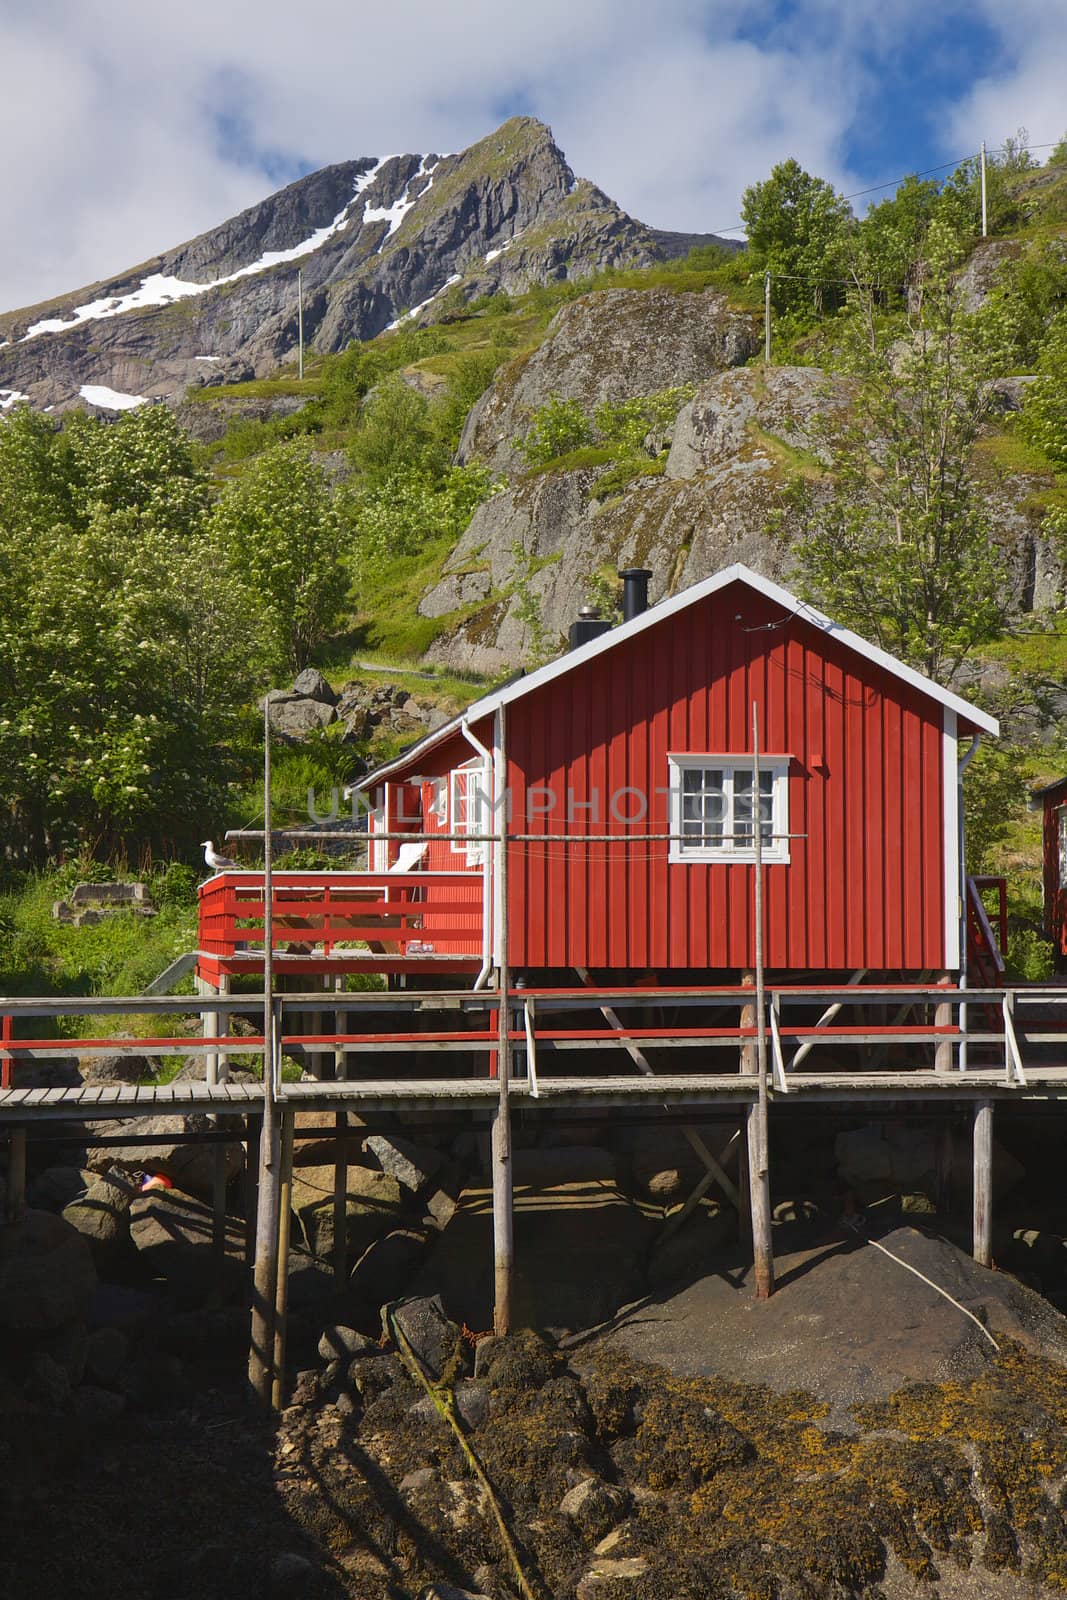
(470, 812)
(714, 804)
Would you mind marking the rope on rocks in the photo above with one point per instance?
(979, 1324)
(445, 1403)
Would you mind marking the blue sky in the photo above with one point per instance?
(137, 125)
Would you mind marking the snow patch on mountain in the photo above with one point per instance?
(396, 213)
(98, 394)
(160, 290)
(415, 310)
(9, 398)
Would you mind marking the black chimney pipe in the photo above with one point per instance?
(590, 625)
(634, 591)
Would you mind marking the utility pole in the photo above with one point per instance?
(261, 1354)
(300, 324)
(758, 1140)
(767, 318)
(985, 209)
(502, 1179)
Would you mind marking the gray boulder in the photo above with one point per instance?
(385, 1269)
(190, 1167)
(47, 1275)
(595, 1506)
(372, 1207)
(173, 1235)
(751, 414)
(102, 1215)
(313, 686)
(117, 1068)
(434, 1339)
(411, 1165)
(293, 718)
(57, 1187)
(339, 1343)
(610, 346)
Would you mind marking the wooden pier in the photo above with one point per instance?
(677, 1053)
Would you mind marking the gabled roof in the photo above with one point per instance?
(517, 688)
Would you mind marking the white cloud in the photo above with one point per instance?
(138, 126)
(1022, 82)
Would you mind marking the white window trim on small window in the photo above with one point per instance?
(462, 818)
(730, 849)
(1061, 844)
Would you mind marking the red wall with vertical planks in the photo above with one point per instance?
(865, 883)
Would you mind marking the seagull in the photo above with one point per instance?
(216, 862)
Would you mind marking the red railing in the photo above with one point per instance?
(392, 913)
(986, 950)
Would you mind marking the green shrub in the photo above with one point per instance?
(556, 428)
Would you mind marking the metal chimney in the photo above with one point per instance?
(590, 625)
(634, 591)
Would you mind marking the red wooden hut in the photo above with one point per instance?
(627, 776)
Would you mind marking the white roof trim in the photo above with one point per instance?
(738, 573)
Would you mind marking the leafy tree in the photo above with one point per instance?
(396, 433)
(885, 250)
(796, 226)
(903, 547)
(141, 463)
(280, 525)
(1044, 416)
(402, 514)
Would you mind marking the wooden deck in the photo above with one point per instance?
(85, 1103)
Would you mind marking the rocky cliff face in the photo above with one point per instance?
(734, 449)
(610, 346)
(374, 239)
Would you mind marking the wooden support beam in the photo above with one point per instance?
(340, 1161)
(983, 1183)
(641, 1061)
(281, 1291)
(943, 1053)
(674, 1222)
(16, 1175)
(265, 1272)
(218, 1071)
(251, 1187)
(503, 1179)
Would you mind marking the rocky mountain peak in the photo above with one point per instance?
(376, 239)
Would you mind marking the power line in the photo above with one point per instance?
(927, 172)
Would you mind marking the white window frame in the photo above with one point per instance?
(730, 851)
(1061, 845)
(462, 819)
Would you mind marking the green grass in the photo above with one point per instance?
(120, 955)
(625, 472)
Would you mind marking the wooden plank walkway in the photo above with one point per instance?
(93, 1102)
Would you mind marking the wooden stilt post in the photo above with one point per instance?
(983, 1183)
(251, 1187)
(747, 1065)
(340, 1167)
(281, 1292)
(759, 1175)
(503, 1200)
(265, 1275)
(943, 1019)
(16, 1175)
(218, 1071)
